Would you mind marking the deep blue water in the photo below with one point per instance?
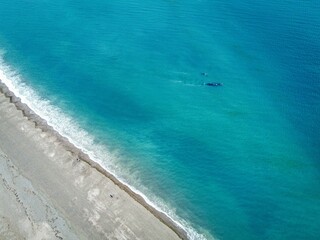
(240, 161)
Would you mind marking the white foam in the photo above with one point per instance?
(68, 128)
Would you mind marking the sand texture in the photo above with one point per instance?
(50, 191)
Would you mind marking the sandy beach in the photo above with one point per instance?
(51, 190)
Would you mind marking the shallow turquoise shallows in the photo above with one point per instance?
(238, 161)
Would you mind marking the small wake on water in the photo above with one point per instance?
(188, 84)
(186, 79)
(83, 140)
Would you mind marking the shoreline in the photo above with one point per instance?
(83, 157)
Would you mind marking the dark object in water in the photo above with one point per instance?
(204, 74)
(213, 84)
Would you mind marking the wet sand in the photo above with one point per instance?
(49, 189)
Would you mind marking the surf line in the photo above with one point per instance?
(77, 152)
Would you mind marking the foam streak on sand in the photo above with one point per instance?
(65, 133)
(63, 150)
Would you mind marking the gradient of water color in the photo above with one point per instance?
(122, 79)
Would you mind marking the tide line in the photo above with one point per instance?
(43, 121)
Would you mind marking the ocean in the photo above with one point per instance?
(124, 81)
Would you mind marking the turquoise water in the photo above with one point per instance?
(123, 80)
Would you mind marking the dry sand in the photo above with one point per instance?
(50, 190)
